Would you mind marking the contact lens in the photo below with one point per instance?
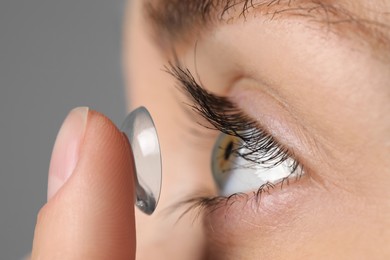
(142, 135)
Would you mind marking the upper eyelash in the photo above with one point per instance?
(223, 115)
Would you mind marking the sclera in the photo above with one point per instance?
(142, 135)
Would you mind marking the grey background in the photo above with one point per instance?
(54, 55)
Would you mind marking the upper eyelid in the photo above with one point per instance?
(313, 151)
(235, 122)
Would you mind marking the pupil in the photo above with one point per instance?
(228, 150)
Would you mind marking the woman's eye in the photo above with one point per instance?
(235, 172)
(245, 157)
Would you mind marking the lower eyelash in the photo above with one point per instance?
(206, 205)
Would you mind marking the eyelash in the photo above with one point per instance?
(223, 115)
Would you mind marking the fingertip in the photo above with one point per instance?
(92, 215)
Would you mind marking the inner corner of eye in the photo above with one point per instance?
(238, 169)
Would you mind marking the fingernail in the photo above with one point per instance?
(66, 149)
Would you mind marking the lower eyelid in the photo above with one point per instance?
(244, 211)
(269, 201)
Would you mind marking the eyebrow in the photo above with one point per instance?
(176, 21)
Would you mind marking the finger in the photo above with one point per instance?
(90, 208)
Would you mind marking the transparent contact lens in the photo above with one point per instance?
(141, 132)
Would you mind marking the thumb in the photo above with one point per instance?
(90, 208)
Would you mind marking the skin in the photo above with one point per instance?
(325, 96)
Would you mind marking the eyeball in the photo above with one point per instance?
(142, 135)
(234, 174)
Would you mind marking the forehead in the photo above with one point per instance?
(173, 21)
